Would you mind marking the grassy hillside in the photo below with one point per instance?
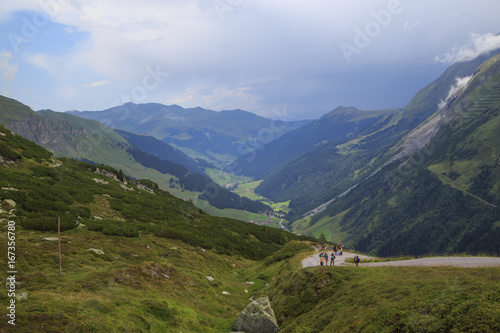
(391, 299)
(91, 141)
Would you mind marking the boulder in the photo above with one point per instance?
(50, 239)
(21, 296)
(10, 202)
(209, 278)
(96, 251)
(257, 317)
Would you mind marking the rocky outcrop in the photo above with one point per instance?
(53, 134)
(257, 317)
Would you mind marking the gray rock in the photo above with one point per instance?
(96, 251)
(21, 296)
(257, 317)
(209, 278)
(10, 202)
(50, 239)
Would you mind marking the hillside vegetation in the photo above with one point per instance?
(441, 192)
(136, 259)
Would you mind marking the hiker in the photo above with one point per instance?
(335, 249)
(332, 260)
(356, 260)
(321, 258)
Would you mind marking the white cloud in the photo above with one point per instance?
(479, 44)
(217, 99)
(7, 69)
(286, 51)
(460, 82)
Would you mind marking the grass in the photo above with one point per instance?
(140, 284)
(389, 299)
(330, 226)
(151, 284)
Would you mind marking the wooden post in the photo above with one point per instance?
(59, 242)
(188, 236)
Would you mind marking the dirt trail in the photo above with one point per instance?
(313, 260)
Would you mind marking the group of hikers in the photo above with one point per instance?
(323, 256)
(323, 259)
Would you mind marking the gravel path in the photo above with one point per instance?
(313, 260)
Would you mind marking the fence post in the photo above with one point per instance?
(59, 242)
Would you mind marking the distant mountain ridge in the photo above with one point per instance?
(216, 136)
(333, 128)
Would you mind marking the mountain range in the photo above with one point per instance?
(218, 137)
(382, 181)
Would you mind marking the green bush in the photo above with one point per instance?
(48, 223)
(113, 228)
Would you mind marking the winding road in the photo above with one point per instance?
(313, 261)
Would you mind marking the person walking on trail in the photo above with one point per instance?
(332, 259)
(325, 258)
(321, 259)
(335, 249)
(356, 260)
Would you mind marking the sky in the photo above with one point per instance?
(277, 58)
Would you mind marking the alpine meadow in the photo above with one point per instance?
(259, 167)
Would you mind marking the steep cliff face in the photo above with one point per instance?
(53, 134)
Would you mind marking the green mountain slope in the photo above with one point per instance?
(441, 192)
(163, 151)
(318, 176)
(338, 126)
